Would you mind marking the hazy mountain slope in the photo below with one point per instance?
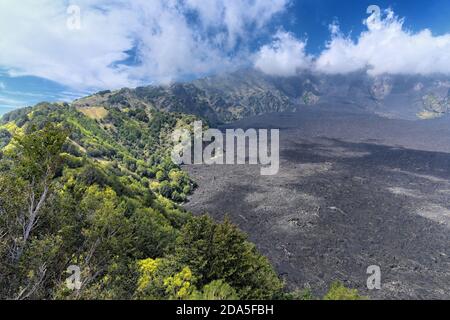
(244, 93)
(219, 99)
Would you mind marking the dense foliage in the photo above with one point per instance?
(95, 188)
(77, 191)
(339, 292)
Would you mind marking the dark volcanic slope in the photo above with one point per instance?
(353, 191)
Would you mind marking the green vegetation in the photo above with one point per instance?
(210, 261)
(122, 141)
(339, 292)
(101, 193)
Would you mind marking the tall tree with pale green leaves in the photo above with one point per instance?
(24, 192)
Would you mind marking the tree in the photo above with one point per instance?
(160, 175)
(180, 286)
(339, 292)
(222, 252)
(216, 290)
(38, 156)
(5, 137)
(162, 279)
(25, 188)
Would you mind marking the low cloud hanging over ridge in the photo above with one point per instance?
(386, 47)
(285, 56)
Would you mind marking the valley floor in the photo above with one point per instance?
(353, 190)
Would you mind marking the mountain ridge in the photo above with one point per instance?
(234, 96)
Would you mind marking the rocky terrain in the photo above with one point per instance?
(353, 190)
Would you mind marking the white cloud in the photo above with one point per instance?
(36, 41)
(2, 86)
(173, 39)
(168, 42)
(285, 56)
(386, 47)
(234, 19)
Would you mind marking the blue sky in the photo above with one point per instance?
(52, 52)
(313, 17)
(16, 92)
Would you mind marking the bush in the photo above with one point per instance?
(165, 190)
(222, 252)
(178, 197)
(5, 137)
(71, 161)
(217, 290)
(339, 292)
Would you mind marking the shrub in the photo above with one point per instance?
(339, 292)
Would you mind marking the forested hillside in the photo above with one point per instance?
(95, 188)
